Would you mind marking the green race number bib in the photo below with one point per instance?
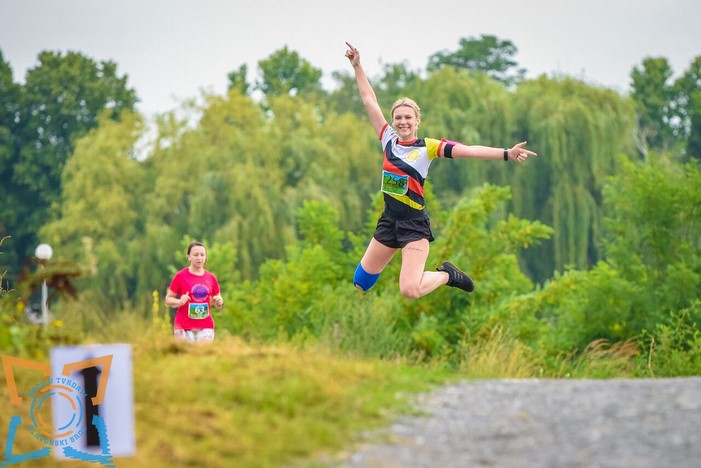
(198, 311)
(394, 183)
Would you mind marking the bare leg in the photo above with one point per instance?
(414, 282)
(376, 257)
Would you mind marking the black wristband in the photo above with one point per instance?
(506, 154)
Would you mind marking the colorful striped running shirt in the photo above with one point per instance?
(404, 172)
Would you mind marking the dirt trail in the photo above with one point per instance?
(631, 423)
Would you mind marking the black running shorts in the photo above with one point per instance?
(397, 233)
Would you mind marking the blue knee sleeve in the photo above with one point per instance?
(364, 279)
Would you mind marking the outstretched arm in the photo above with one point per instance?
(367, 94)
(517, 153)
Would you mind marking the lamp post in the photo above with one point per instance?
(44, 252)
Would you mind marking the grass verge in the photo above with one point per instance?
(236, 404)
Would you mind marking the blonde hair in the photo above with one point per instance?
(405, 101)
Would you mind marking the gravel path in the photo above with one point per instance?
(631, 423)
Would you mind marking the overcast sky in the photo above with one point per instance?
(172, 49)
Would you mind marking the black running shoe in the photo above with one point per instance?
(457, 278)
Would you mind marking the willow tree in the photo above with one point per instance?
(99, 210)
(326, 157)
(220, 179)
(578, 131)
(471, 108)
(62, 98)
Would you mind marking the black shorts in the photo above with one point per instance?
(397, 233)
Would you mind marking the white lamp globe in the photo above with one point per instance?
(43, 252)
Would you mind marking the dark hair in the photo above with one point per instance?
(194, 244)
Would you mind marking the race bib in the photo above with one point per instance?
(198, 311)
(394, 183)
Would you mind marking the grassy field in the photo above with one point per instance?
(236, 404)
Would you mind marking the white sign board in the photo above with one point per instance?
(92, 402)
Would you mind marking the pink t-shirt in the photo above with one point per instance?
(197, 312)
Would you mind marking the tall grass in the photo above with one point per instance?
(237, 403)
(601, 359)
(233, 403)
(496, 355)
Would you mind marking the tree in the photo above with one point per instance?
(345, 97)
(9, 107)
(693, 146)
(688, 107)
(61, 100)
(314, 168)
(650, 267)
(488, 54)
(469, 108)
(285, 72)
(238, 80)
(396, 82)
(652, 229)
(653, 95)
(220, 181)
(101, 207)
(579, 131)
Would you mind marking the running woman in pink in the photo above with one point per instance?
(404, 224)
(193, 291)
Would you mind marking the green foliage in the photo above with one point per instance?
(273, 405)
(496, 354)
(652, 231)
(6, 312)
(396, 81)
(309, 297)
(285, 294)
(574, 309)
(652, 267)
(220, 182)
(693, 147)
(101, 210)
(470, 108)
(373, 329)
(285, 196)
(238, 80)
(17, 336)
(579, 132)
(345, 97)
(673, 347)
(687, 107)
(488, 54)
(286, 73)
(61, 100)
(600, 359)
(653, 95)
(9, 105)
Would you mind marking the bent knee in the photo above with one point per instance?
(410, 291)
(362, 280)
